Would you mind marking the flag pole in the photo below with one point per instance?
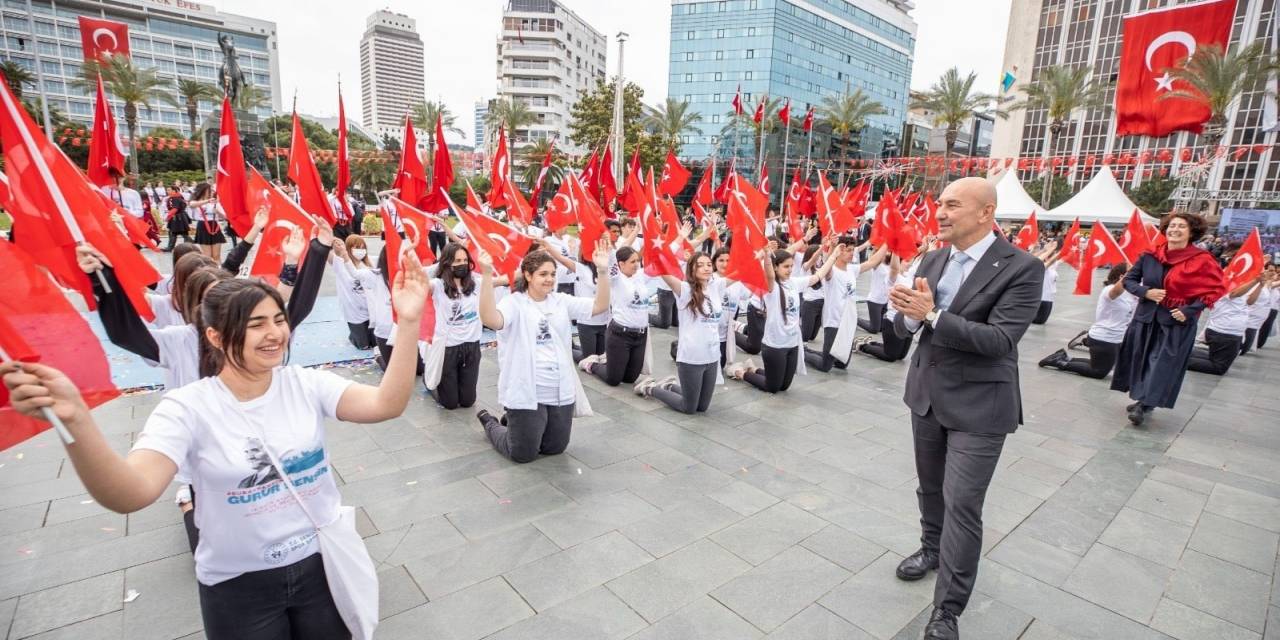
(47, 412)
(763, 119)
(808, 153)
(786, 142)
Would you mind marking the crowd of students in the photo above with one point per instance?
(234, 408)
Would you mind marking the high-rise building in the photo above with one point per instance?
(179, 40)
(547, 56)
(803, 50)
(481, 113)
(391, 72)
(1074, 33)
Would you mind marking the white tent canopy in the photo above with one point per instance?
(1012, 201)
(1101, 199)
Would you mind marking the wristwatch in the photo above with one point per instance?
(931, 317)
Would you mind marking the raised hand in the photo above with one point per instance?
(261, 217)
(34, 387)
(89, 259)
(601, 255)
(409, 291)
(324, 233)
(293, 246)
(485, 261)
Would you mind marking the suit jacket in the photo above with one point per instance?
(966, 367)
(1146, 274)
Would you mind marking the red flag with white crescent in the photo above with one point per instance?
(501, 172)
(560, 211)
(737, 101)
(416, 224)
(230, 178)
(808, 121)
(305, 176)
(1134, 241)
(411, 175)
(1028, 234)
(674, 176)
(103, 38)
(542, 173)
(106, 156)
(284, 215)
(1247, 263)
(505, 246)
(785, 114)
(343, 180)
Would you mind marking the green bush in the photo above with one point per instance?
(371, 225)
(169, 177)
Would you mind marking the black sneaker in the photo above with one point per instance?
(1055, 359)
(1137, 415)
(1078, 341)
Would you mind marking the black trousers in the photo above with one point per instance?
(1265, 330)
(361, 335)
(697, 383)
(823, 360)
(340, 231)
(1042, 315)
(1102, 357)
(624, 356)
(891, 348)
(530, 432)
(286, 603)
(954, 469)
(459, 376)
(810, 319)
(235, 239)
(1250, 335)
(173, 239)
(750, 340)
(384, 350)
(875, 316)
(779, 369)
(591, 337)
(666, 317)
(437, 240)
(1216, 360)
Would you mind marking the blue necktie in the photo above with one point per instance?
(952, 279)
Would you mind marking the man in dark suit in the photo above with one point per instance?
(970, 304)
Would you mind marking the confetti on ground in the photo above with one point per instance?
(579, 471)
(108, 529)
(20, 456)
(411, 483)
(131, 595)
(86, 502)
(505, 501)
(26, 551)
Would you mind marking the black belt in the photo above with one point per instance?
(624, 329)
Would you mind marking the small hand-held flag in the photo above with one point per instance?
(284, 216)
(1247, 263)
(303, 173)
(344, 163)
(1028, 234)
(411, 175)
(1134, 241)
(230, 179)
(106, 156)
(501, 172)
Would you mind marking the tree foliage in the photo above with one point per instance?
(592, 119)
(1153, 194)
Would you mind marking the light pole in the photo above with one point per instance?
(619, 156)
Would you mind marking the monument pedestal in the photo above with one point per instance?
(252, 141)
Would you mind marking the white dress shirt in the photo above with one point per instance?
(975, 253)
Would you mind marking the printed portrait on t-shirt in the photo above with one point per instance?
(544, 331)
(263, 471)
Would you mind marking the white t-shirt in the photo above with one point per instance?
(162, 306)
(532, 334)
(840, 288)
(629, 300)
(165, 286)
(906, 278)
(248, 519)
(1229, 315)
(783, 332)
(563, 274)
(179, 354)
(879, 292)
(699, 335)
(731, 299)
(1112, 317)
(1259, 310)
(204, 213)
(457, 319)
(584, 286)
(378, 301)
(128, 198)
(351, 299)
(1050, 287)
(808, 293)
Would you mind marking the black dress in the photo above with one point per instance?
(1153, 357)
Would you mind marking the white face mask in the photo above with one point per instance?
(359, 254)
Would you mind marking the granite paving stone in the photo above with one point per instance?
(782, 586)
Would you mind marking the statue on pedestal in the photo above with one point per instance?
(230, 76)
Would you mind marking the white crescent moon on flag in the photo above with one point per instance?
(1125, 239)
(99, 32)
(794, 192)
(285, 224)
(1171, 37)
(223, 142)
(1242, 260)
(568, 204)
(417, 233)
(506, 246)
(1098, 249)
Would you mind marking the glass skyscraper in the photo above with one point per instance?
(797, 49)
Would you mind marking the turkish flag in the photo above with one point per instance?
(808, 120)
(753, 208)
(674, 176)
(39, 324)
(303, 173)
(1247, 263)
(58, 208)
(590, 217)
(1135, 241)
(105, 153)
(764, 179)
(102, 38)
(1102, 247)
(633, 195)
(560, 211)
(608, 183)
(284, 215)
(343, 178)
(501, 172)
(834, 218)
(784, 114)
(795, 194)
(411, 175)
(759, 116)
(231, 181)
(1029, 233)
(505, 246)
(722, 192)
(441, 175)
(1070, 250)
(518, 208)
(703, 196)
(743, 265)
(658, 257)
(1153, 42)
(737, 101)
(393, 246)
(416, 224)
(546, 164)
(136, 229)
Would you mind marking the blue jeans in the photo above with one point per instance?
(286, 603)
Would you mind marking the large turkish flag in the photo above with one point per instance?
(1153, 42)
(99, 37)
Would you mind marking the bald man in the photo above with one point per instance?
(970, 305)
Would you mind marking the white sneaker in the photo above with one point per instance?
(643, 386)
(585, 363)
(750, 364)
(668, 382)
(182, 495)
(734, 370)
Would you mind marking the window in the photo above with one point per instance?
(45, 28)
(719, 33)
(746, 75)
(715, 118)
(751, 53)
(751, 31)
(49, 66)
(717, 76)
(81, 108)
(715, 139)
(715, 97)
(722, 6)
(688, 77)
(719, 55)
(688, 56)
(689, 35)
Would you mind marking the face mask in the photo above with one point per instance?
(359, 254)
(461, 270)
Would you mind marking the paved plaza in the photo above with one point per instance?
(770, 516)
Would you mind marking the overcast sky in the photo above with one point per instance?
(323, 41)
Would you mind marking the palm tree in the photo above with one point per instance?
(373, 176)
(846, 114)
(953, 102)
(509, 113)
(17, 77)
(673, 120)
(250, 98)
(1060, 91)
(131, 85)
(425, 115)
(1215, 80)
(531, 157)
(190, 93)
